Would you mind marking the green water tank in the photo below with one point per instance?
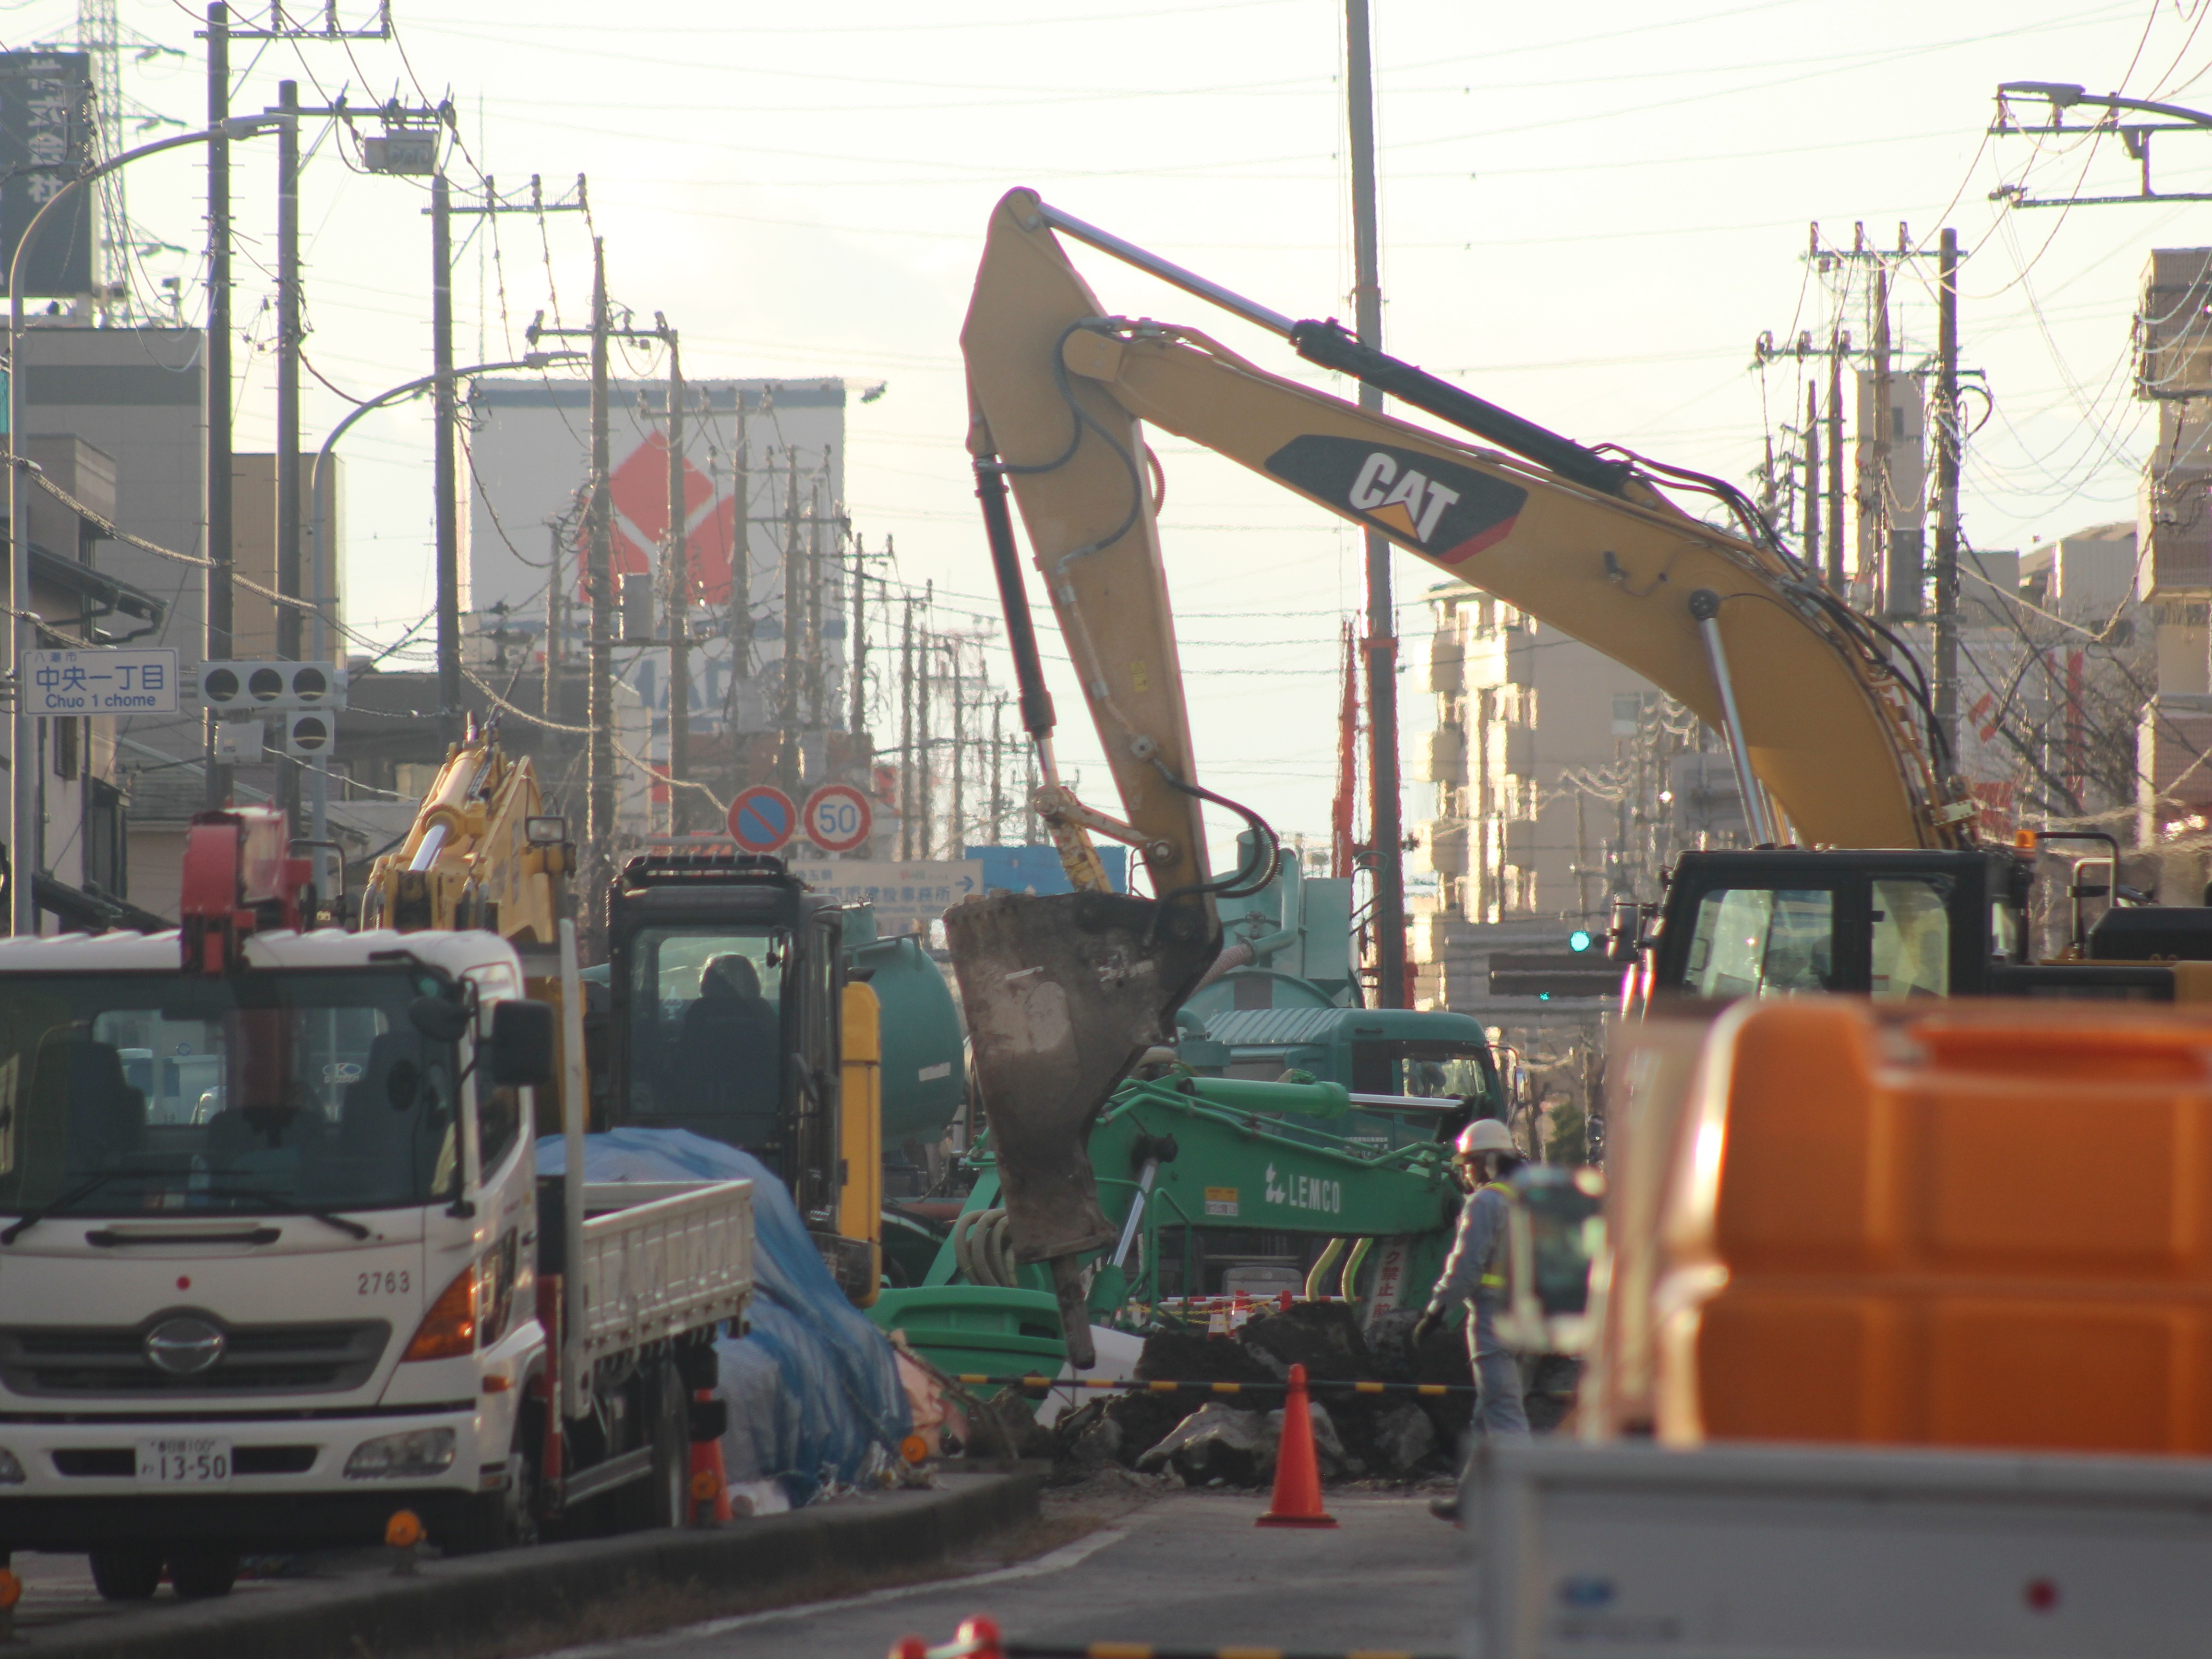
(925, 1071)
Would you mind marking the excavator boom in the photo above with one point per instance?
(1584, 544)
(1822, 711)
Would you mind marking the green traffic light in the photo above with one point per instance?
(1579, 940)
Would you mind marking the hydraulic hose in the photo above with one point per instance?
(983, 1248)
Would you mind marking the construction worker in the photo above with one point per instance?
(1475, 1272)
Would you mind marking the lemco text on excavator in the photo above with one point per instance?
(1868, 875)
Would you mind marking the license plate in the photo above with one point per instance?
(197, 1461)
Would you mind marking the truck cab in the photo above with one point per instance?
(267, 1248)
(1900, 923)
(727, 1010)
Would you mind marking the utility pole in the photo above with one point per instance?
(1812, 478)
(600, 826)
(222, 614)
(1873, 550)
(923, 801)
(1030, 827)
(741, 575)
(815, 677)
(287, 409)
(857, 721)
(445, 421)
(1890, 552)
(905, 735)
(677, 561)
(956, 832)
(1947, 494)
(998, 772)
(1836, 583)
(553, 608)
(445, 486)
(1383, 811)
(794, 620)
(219, 535)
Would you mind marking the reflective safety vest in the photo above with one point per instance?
(1493, 1271)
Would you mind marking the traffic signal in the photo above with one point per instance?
(1546, 975)
(238, 688)
(308, 732)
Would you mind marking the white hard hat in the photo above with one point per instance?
(1485, 1135)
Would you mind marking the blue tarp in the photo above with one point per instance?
(812, 1387)
(1038, 869)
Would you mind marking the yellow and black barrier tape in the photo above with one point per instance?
(1140, 1385)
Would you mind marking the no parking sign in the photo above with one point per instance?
(837, 818)
(762, 818)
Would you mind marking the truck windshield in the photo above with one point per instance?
(706, 1029)
(121, 1093)
(1428, 1068)
(1763, 941)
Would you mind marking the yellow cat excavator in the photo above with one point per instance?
(1828, 717)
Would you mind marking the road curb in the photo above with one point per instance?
(489, 1602)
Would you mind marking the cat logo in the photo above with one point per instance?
(1441, 510)
(1409, 492)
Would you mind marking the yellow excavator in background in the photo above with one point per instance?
(484, 852)
(1828, 719)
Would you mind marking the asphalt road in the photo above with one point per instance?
(1187, 1570)
(57, 1589)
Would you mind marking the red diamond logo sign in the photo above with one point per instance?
(639, 485)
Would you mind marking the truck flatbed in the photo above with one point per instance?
(653, 1270)
(1792, 1551)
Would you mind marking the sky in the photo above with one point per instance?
(1588, 214)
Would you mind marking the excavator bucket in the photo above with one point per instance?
(1063, 993)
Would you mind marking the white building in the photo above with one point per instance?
(776, 447)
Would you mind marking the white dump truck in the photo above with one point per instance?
(277, 1264)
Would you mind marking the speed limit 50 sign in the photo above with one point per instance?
(837, 818)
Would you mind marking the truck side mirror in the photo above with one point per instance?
(524, 1051)
(1623, 934)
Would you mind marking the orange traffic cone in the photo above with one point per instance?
(1297, 1472)
(710, 1480)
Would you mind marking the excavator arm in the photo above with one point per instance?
(1827, 707)
(481, 852)
(1824, 713)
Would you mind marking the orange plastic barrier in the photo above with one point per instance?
(1986, 1224)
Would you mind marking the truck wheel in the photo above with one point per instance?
(201, 1575)
(127, 1575)
(500, 1520)
(496, 1519)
